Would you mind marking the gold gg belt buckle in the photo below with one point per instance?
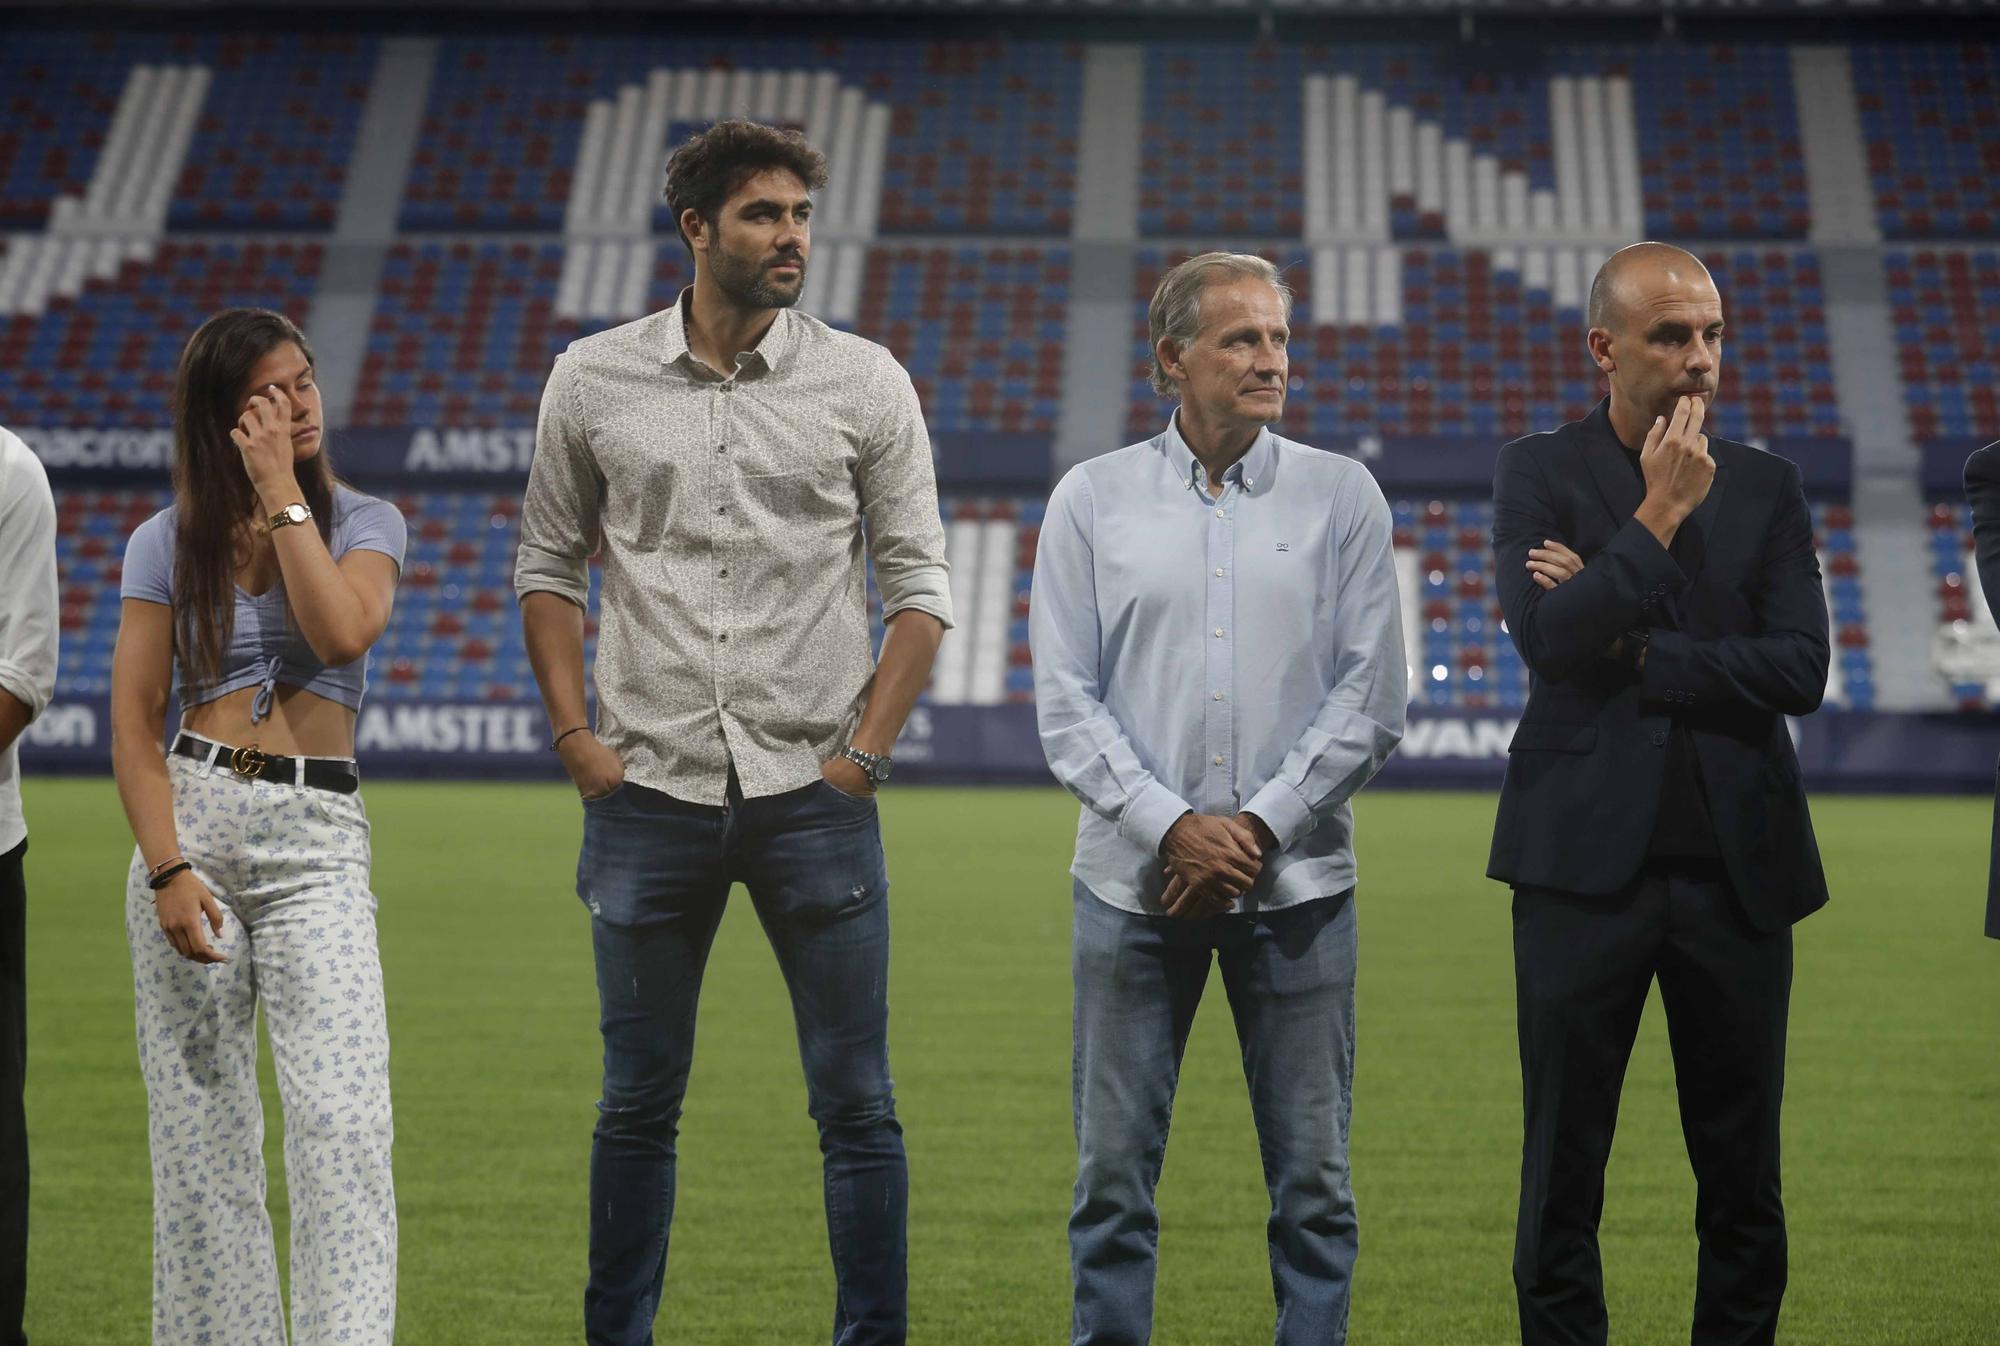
(248, 762)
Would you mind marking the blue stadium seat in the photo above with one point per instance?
(1930, 113)
(982, 135)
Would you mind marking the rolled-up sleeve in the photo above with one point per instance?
(28, 594)
(1361, 720)
(1088, 751)
(561, 513)
(898, 490)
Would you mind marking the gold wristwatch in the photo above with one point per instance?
(292, 513)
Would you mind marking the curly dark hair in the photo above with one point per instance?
(710, 165)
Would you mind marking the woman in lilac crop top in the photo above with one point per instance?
(255, 598)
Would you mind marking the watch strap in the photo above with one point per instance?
(873, 764)
(296, 512)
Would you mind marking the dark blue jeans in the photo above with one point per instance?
(655, 873)
(1289, 974)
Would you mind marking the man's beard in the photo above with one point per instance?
(748, 283)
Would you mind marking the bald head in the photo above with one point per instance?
(1641, 269)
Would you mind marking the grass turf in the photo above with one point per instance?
(1892, 1125)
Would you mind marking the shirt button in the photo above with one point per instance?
(723, 573)
(722, 509)
(1221, 514)
(723, 636)
(1218, 696)
(722, 448)
(1218, 572)
(1218, 759)
(1218, 633)
(1659, 737)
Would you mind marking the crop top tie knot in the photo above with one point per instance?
(266, 647)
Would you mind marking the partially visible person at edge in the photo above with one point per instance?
(28, 622)
(1982, 492)
(1218, 652)
(722, 456)
(1663, 590)
(255, 597)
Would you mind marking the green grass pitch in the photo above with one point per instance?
(1892, 1131)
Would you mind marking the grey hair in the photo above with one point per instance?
(1175, 313)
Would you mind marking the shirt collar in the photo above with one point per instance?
(1599, 421)
(1253, 467)
(770, 352)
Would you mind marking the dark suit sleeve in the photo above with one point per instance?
(1563, 630)
(1982, 491)
(1783, 667)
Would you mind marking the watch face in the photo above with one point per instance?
(881, 771)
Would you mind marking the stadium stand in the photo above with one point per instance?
(90, 332)
(265, 124)
(1931, 115)
(981, 135)
(1438, 211)
(1966, 649)
(464, 331)
(271, 147)
(979, 329)
(59, 94)
(91, 531)
(1946, 310)
(455, 635)
(1386, 142)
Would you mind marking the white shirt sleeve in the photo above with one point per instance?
(28, 594)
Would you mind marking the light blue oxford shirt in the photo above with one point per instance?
(1241, 652)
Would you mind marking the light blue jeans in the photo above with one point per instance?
(1289, 975)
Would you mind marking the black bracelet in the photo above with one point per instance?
(160, 880)
(556, 742)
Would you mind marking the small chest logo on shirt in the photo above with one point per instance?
(1284, 546)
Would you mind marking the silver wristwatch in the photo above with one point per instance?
(875, 767)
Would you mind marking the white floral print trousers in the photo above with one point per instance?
(289, 866)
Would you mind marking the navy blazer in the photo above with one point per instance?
(1738, 641)
(1982, 489)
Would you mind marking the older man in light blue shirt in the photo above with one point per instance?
(1218, 668)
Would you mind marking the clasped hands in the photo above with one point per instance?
(1212, 861)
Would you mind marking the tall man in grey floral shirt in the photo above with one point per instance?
(721, 456)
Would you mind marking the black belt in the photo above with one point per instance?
(321, 773)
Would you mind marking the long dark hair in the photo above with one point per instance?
(212, 493)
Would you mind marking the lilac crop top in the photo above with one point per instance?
(265, 647)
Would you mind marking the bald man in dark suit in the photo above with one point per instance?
(1663, 589)
(1982, 489)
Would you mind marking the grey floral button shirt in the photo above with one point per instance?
(729, 512)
